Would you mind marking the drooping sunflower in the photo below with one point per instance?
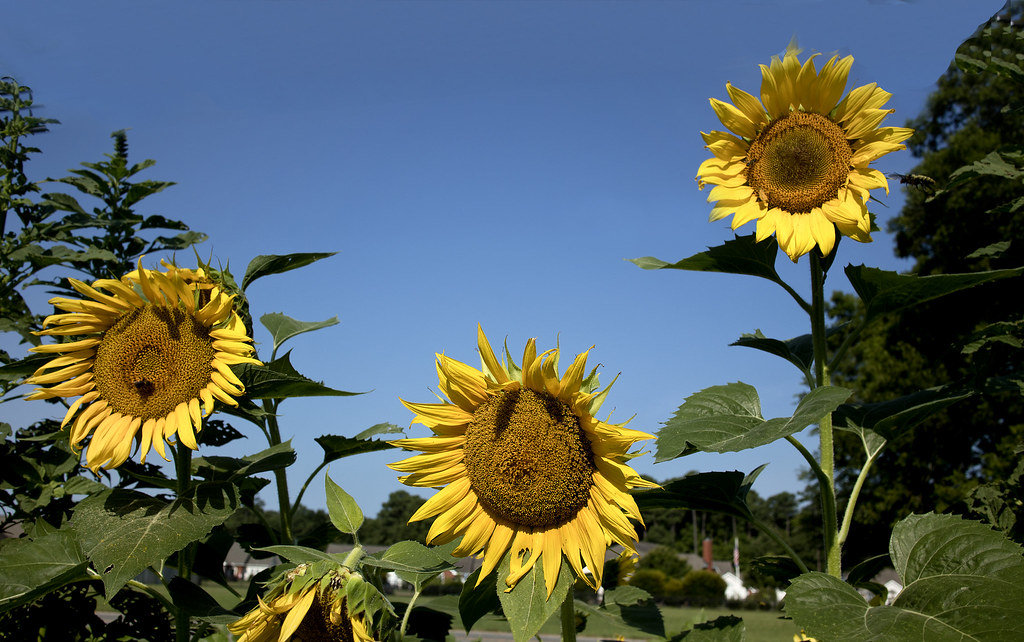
(146, 350)
(526, 467)
(307, 606)
(797, 160)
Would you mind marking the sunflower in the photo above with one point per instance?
(797, 160)
(527, 468)
(143, 359)
(304, 606)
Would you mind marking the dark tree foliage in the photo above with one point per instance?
(797, 520)
(392, 521)
(667, 561)
(937, 464)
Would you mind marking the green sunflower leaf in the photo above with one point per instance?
(527, 606)
(716, 492)
(298, 554)
(31, 568)
(22, 368)
(178, 241)
(344, 511)
(477, 601)
(195, 601)
(797, 351)
(883, 291)
(337, 446)
(780, 568)
(728, 418)
(231, 468)
(627, 609)
(123, 531)
(742, 255)
(59, 254)
(1009, 333)
(894, 417)
(994, 48)
(962, 581)
(280, 380)
(726, 628)
(417, 564)
(283, 327)
(267, 264)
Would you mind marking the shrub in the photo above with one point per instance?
(703, 588)
(666, 560)
(672, 592)
(650, 580)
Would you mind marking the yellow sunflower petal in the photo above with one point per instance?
(749, 105)
(823, 231)
(295, 615)
(432, 414)
(445, 498)
(490, 362)
(551, 558)
(832, 82)
(496, 547)
(733, 118)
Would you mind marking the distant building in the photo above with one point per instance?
(240, 565)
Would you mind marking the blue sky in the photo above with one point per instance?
(470, 162)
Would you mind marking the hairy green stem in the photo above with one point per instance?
(821, 378)
(796, 296)
(183, 471)
(844, 531)
(851, 336)
(828, 496)
(298, 498)
(405, 616)
(139, 586)
(284, 506)
(568, 615)
(353, 557)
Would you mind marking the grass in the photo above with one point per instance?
(761, 626)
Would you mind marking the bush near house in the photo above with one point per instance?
(703, 588)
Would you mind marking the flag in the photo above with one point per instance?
(736, 555)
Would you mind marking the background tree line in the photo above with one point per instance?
(977, 441)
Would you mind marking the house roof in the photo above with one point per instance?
(238, 556)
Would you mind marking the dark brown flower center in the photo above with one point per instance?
(152, 359)
(317, 625)
(798, 162)
(528, 459)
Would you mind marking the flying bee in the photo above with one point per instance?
(920, 181)
(145, 387)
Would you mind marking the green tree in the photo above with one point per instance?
(392, 521)
(666, 560)
(703, 588)
(935, 465)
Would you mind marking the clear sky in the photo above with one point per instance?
(470, 162)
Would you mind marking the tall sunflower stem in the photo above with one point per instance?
(302, 491)
(405, 616)
(821, 378)
(284, 506)
(844, 531)
(183, 471)
(568, 615)
(357, 553)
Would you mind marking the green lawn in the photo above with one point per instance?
(761, 626)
